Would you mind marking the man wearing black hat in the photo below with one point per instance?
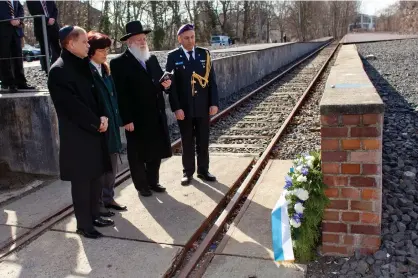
(84, 158)
(193, 98)
(137, 74)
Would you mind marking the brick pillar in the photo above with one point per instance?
(351, 147)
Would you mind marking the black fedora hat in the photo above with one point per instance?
(133, 28)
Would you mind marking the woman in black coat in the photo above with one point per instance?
(142, 108)
(99, 46)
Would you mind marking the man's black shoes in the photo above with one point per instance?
(89, 234)
(103, 222)
(158, 188)
(206, 176)
(107, 213)
(25, 87)
(115, 207)
(185, 180)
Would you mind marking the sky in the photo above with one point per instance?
(372, 7)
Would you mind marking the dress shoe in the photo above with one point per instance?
(25, 87)
(11, 89)
(115, 206)
(107, 213)
(185, 180)
(206, 176)
(89, 234)
(157, 188)
(103, 222)
(145, 192)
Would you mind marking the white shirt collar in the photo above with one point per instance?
(97, 66)
(187, 54)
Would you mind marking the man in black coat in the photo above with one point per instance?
(137, 75)
(49, 9)
(11, 33)
(193, 98)
(84, 156)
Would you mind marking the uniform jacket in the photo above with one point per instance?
(107, 91)
(83, 150)
(181, 89)
(141, 101)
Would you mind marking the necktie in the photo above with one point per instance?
(191, 59)
(12, 12)
(45, 8)
(143, 64)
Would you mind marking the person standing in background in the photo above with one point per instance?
(11, 61)
(49, 9)
(99, 48)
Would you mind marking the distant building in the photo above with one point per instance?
(364, 22)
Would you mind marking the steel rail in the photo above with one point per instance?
(260, 164)
(67, 210)
(176, 144)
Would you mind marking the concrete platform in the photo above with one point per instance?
(348, 89)
(246, 249)
(30, 210)
(238, 267)
(373, 37)
(58, 254)
(172, 217)
(9, 232)
(248, 48)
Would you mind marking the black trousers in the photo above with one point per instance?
(53, 42)
(144, 173)
(109, 178)
(195, 136)
(86, 195)
(11, 70)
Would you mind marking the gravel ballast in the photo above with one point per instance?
(393, 71)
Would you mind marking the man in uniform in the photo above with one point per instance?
(193, 98)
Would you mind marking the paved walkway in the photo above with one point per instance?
(246, 250)
(144, 241)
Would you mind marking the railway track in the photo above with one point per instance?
(251, 126)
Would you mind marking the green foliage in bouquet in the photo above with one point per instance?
(307, 202)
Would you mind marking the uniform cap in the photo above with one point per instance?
(184, 28)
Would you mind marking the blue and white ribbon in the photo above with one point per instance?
(282, 239)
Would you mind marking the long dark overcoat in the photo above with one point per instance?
(141, 101)
(83, 149)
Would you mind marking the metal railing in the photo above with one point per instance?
(45, 36)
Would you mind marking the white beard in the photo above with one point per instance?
(140, 53)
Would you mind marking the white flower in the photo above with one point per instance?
(294, 223)
(302, 194)
(310, 158)
(309, 163)
(299, 168)
(301, 179)
(299, 208)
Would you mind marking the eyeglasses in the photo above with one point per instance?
(103, 50)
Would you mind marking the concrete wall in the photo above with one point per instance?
(351, 150)
(29, 139)
(234, 73)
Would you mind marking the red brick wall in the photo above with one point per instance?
(351, 147)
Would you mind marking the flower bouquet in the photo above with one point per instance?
(306, 202)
